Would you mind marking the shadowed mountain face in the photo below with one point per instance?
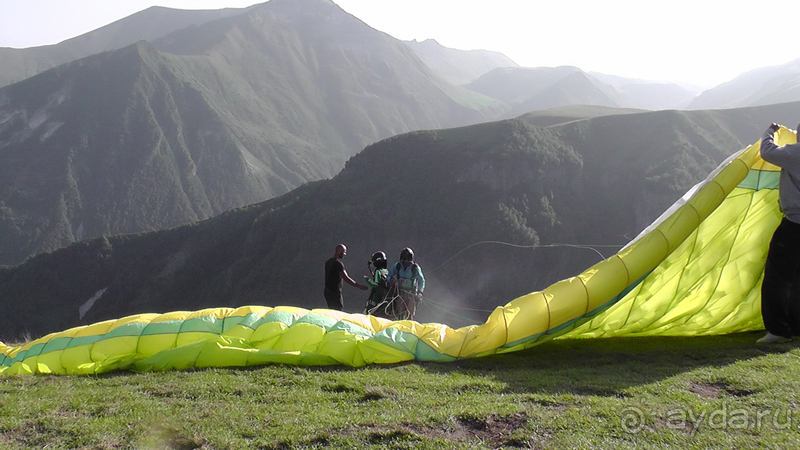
(227, 113)
(121, 143)
(480, 205)
(347, 74)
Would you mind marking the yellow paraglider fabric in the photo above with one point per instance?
(697, 270)
(710, 284)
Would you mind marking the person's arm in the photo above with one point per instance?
(768, 146)
(787, 156)
(392, 272)
(351, 281)
(420, 280)
(372, 281)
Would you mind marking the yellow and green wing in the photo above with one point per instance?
(697, 270)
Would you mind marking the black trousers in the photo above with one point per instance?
(780, 292)
(334, 299)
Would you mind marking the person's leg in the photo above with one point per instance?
(781, 266)
(407, 305)
(794, 306)
(792, 272)
(774, 298)
(334, 300)
(412, 307)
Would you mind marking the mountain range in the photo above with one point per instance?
(210, 117)
(259, 138)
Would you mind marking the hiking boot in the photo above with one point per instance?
(770, 338)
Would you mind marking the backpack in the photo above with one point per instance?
(414, 269)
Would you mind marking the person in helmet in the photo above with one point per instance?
(334, 274)
(377, 282)
(407, 276)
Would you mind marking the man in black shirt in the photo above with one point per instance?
(334, 274)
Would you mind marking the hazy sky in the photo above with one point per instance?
(694, 41)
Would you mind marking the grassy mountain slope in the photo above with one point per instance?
(348, 74)
(227, 113)
(119, 143)
(149, 25)
(458, 66)
(563, 114)
(445, 193)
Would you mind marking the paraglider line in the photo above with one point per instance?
(508, 244)
(459, 307)
(446, 311)
(444, 308)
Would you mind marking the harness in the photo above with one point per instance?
(399, 303)
(414, 271)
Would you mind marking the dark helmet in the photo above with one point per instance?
(407, 254)
(377, 257)
(378, 260)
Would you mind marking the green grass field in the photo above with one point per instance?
(704, 392)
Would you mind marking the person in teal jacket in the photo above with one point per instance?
(406, 276)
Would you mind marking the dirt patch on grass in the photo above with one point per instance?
(496, 430)
(705, 389)
(716, 389)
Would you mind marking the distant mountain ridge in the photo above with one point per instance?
(650, 95)
(531, 89)
(758, 87)
(458, 66)
(764, 86)
(149, 24)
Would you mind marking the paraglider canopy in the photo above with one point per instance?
(696, 270)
